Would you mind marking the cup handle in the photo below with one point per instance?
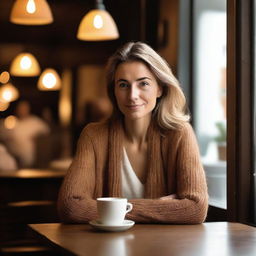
(128, 207)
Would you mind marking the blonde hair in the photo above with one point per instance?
(170, 110)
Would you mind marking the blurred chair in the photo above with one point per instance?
(27, 196)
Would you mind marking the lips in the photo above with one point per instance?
(134, 107)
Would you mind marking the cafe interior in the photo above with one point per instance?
(52, 72)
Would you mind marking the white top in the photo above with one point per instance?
(131, 185)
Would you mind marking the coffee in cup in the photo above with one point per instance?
(112, 210)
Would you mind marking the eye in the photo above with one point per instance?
(123, 85)
(144, 83)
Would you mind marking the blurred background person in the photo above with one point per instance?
(7, 161)
(19, 136)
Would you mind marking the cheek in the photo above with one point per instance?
(153, 95)
(152, 98)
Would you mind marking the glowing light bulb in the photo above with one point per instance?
(25, 62)
(31, 7)
(4, 105)
(7, 95)
(4, 77)
(10, 122)
(49, 80)
(98, 21)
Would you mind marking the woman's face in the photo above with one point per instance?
(136, 90)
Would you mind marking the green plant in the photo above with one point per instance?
(222, 132)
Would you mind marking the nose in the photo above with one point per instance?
(134, 92)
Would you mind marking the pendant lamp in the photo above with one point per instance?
(25, 64)
(97, 25)
(49, 80)
(4, 77)
(31, 12)
(8, 93)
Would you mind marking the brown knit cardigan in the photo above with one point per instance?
(174, 167)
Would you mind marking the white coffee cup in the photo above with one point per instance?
(112, 210)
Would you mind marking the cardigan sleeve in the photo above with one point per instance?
(191, 204)
(75, 202)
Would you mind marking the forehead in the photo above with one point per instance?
(133, 69)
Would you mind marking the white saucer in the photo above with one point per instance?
(122, 227)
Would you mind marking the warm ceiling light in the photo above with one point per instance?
(8, 93)
(10, 122)
(97, 25)
(4, 77)
(25, 64)
(31, 12)
(65, 101)
(4, 105)
(49, 80)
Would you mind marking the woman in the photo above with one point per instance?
(146, 151)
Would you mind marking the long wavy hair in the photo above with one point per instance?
(170, 111)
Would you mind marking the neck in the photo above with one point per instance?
(136, 130)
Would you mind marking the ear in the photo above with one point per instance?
(159, 91)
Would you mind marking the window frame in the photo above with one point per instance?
(239, 110)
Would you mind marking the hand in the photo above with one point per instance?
(172, 196)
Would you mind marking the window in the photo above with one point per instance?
(209, 105)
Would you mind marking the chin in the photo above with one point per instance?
(135, 116)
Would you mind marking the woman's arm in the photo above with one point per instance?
(191, 203)
(75, 202)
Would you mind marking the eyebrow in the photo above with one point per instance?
(139, 79)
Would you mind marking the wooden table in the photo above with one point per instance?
(214, 238)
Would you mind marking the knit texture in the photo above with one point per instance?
(174, 167)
